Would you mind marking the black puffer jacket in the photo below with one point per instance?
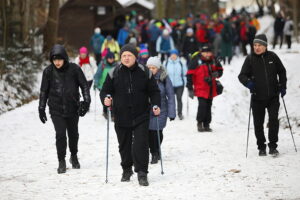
(60, 87)
(267, 72)
(133, 91)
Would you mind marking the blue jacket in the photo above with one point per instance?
(176, 71)
(154, 32)
(96, 42)
(122, 36)
(168, 107)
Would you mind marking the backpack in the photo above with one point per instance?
(181, 69)
(291, 27)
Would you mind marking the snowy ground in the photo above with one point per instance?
(196, 165)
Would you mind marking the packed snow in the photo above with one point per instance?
(196, 165)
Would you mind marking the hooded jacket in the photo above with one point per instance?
(60, 87)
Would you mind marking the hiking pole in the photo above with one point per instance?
(107, 139)
(248, 125)
(289, 122)
(158, 139)
(187, 104)
(95, 101)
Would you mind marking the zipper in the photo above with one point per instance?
(267, 78)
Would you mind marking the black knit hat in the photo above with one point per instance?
(131, 48)
(206, 48)
(261, 39)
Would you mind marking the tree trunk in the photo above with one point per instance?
(183, 8)
(50, 32)
(4, 25)
(295, 19)
(169, 8)
(25, 20)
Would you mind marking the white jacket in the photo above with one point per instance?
(89, 70)
(286, 29)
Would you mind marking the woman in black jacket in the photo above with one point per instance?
(60, 88)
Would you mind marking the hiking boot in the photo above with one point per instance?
(74, 162)
(200, 127)
(207, 129)
(273, 152)
(126, 175)
(154, 159)
(105, 115)
(142, 178)
(262, 152)
(180, 116)
(61, 167)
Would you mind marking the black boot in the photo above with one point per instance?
(127, 173)
(180, 116)
(74, 162)
(155, 157)
(61, 167)
(207, 128)
(142, 178)
(262, 152)
(200, 127)
(273, 152)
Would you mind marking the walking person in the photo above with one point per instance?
(103, 68)
(60, 88)
(164, 44)
(189, 45)
(134, 92)
(87, 64)
(260, 73)
(96, 42)
(288, 31)
(167, 109)
(201, 82)
(278, 30)
(177, 74)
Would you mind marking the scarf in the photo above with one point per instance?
(85, 60)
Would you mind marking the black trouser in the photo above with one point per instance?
(90, 83)
(259, 107)
(280, 35)
(153, 140)
(288, 39)
(204, 111)
(178, 92)
(61, 125)
(98, 57)
(244, 47)
(152, 48)
(134, 146)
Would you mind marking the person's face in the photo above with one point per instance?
(83, 55)
(58, 63)
(207, 54)
(173, 56)
(153, 69)
(128, 59)
(259, 49)
(110, 60)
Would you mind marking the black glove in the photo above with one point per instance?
(172, 118)
(215, 74)
(83, 108)
(208, 80)
(251, 86)
(283, 92)
(43, 116)
(191, 94)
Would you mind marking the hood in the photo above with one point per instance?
(59, 50)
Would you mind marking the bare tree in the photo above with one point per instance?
(50, 32)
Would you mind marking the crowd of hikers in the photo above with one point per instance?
(142, 73)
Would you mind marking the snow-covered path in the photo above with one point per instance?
(196, 165)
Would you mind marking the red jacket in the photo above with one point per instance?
(196, 75)
(201, 34)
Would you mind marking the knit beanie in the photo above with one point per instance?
(83, 50)
(174, 51)
(154, 61)
(261, 39)
(144, 52)
(131, 48)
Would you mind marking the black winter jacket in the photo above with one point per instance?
(60, 87)
(267, 72)
(133, 91)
